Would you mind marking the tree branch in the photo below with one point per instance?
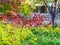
(47, 6)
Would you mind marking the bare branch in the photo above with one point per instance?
(47, 6)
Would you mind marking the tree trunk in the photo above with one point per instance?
(54, 21)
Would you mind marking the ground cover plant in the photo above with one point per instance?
(9, 35)
(16, 35)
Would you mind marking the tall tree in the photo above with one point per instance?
(52, 12)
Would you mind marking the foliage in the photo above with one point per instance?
(37, 1)
(46, 36)
(43, 36)
(4, 8)
(17, 6)
(9, 35)
(26, 8)
(15, 35)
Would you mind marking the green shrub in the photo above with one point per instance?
(13, 35)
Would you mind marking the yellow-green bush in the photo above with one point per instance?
(9, 35)
(15, 35)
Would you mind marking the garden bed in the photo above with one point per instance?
(16, 35)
